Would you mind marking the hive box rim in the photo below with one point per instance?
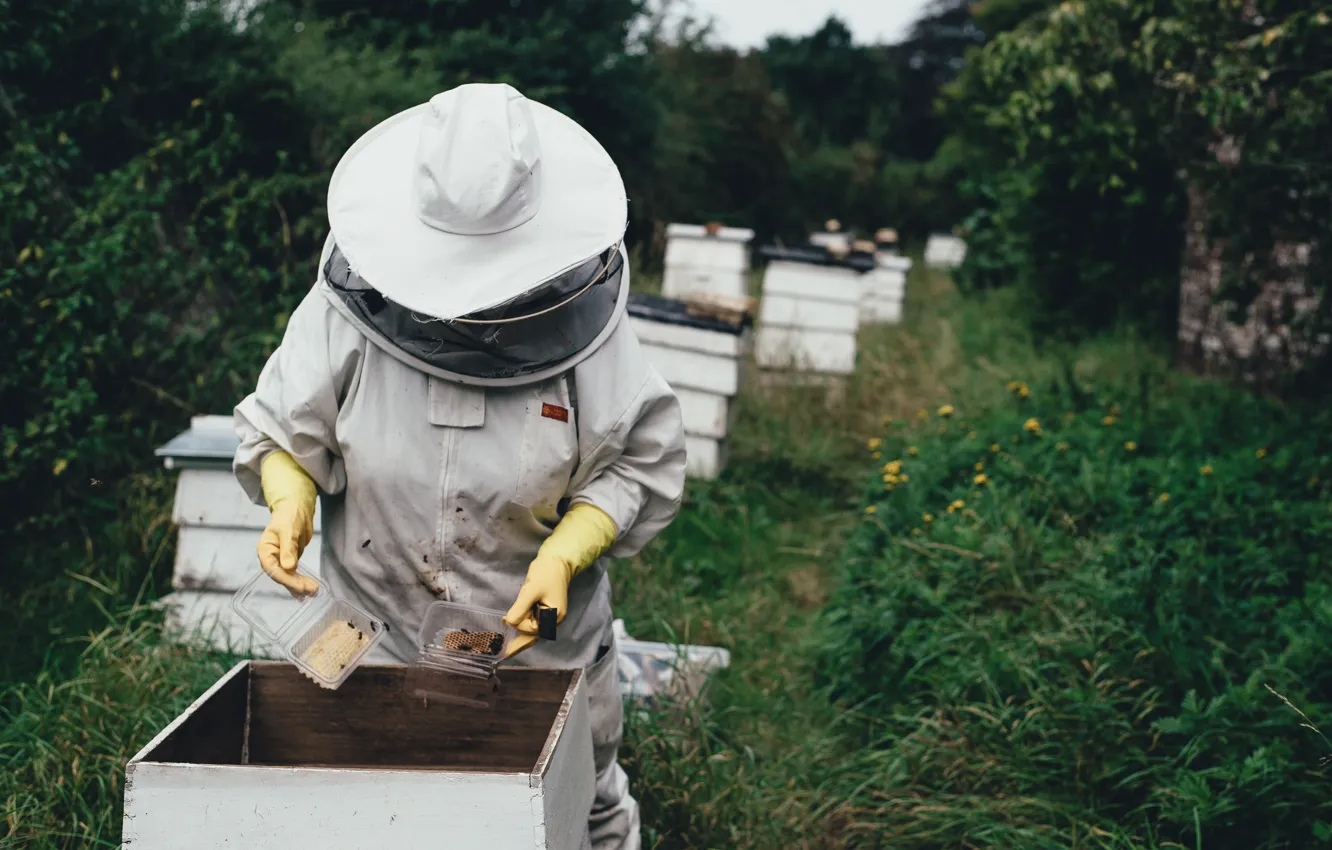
(534, 777)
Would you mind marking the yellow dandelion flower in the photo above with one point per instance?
(980, 467)
(915, 532)
(59, 466)
(1114, 410)
(874, 444)
(981, 480)
(912, 451)
(1164, 497)
(946, 410)
(1109, 420)
(1061, 446)
(877, 455)
(871, 510)
(1205, 470)
(956, 506)
(1032, 426)
(971, 435)
(890, 479)
(904, 478)
(1024, 392)
(922, 414)
(1131, 446)
(927, 517)
(893, 467)
(1260, 454)
(196, 103)
(994, 448)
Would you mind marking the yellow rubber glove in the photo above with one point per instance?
(291, 495)
(582, 536)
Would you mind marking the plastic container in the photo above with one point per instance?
(325, 637)
(459, 649)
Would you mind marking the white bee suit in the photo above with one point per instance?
(431, 489)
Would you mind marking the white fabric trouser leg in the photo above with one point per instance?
(613, 823)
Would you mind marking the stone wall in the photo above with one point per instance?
(1268, 340)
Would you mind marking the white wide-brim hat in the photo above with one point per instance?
(473, 200)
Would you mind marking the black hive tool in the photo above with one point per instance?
(546, 618)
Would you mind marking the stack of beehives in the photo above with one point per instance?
(810, 310)
(218, 528)
(885, 286)
(702, 359)
(944, 251)
(706, 258)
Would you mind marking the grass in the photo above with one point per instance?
(783, 753)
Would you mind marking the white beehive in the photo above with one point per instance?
(884, 290)
(218, 528)
(265, 759)
(808, 318)
(944, 251)
(702, 360)
(700, 261)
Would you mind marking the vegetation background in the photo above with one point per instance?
(1074, 650)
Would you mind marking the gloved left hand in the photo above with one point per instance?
(582, 536)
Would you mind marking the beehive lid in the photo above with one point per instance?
(817, 256)
(699, 231)
(654, 308)
(210, 443)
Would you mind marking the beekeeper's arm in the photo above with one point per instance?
(628, 488)
(289, 449)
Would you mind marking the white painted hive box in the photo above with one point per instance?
(944, 251)
(218, 528)
(266, 759)
(885, 290)
(808, 318)
(697, 261)
(703, 362)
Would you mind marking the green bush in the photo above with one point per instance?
(1068, 612)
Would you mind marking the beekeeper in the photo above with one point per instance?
(462, 390)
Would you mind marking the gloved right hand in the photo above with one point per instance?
(291, 495)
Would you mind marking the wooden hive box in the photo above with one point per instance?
(218, 528)
(703, 361)
(885, 290)
(699, 261)
(265, 759)
(944, 251)
(808, 318)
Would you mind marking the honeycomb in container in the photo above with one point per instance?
(485, 643)
(335, 648)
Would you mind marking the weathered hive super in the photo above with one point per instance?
(808, 318)
(218, 528)
(265, 759)
(702, 360)
(944, 251)
(703, 259)
(885, 290)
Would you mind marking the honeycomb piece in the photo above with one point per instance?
(335, 648)
(485, 643)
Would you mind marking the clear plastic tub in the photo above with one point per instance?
(325, 637)
(460, 647)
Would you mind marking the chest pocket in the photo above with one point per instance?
(549, 453)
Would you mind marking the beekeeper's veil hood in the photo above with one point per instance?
(479, 237)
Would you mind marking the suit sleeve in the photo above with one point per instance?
(294, 407)
(635, 471)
